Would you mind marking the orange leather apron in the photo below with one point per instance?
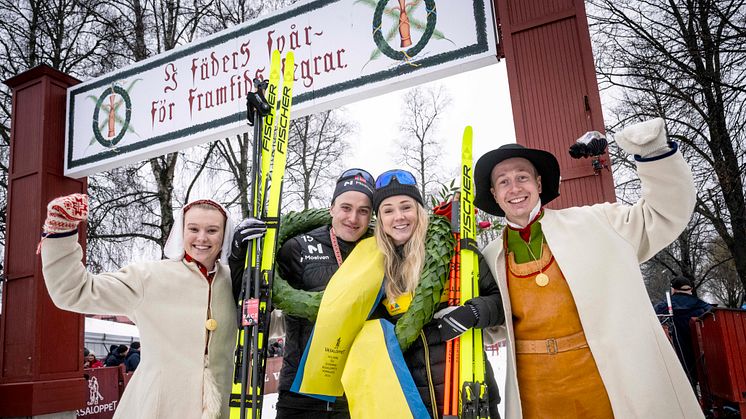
(557, 375)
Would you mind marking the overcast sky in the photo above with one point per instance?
(479, 98)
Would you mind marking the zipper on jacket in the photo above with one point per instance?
(433, 402)
(209, 316)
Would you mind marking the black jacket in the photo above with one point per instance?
(685, 307)
(113, 360)
(306, 262)
(428, 366)
(132, 360)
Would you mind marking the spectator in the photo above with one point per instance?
(116, 357)
(132, 360)
(90, 360)
(685, 306)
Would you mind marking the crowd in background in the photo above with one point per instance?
(118, 355)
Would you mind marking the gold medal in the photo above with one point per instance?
(211, 324)
(542, 279)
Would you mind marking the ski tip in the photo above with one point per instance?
(468, 130)
(289, 65)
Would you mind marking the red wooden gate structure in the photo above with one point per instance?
(553, 89)
(719, 340)
(554, 96)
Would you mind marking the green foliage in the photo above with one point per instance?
(293, 301)
(439, 249)
(444, 194)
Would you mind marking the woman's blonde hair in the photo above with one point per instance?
(403, 272)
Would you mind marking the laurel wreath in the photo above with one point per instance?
(384, 46)
(127, 115)
(439, 249)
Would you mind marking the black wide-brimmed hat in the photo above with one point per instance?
(545, 163)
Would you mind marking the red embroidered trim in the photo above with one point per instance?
(208, 275)
(207, 202)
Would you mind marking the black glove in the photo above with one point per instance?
(592, 143)
(248, 229)
(455, 320)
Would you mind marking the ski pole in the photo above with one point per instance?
(447, 402)
(256, 108)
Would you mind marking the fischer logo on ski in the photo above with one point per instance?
(269, 160)
(473, 399)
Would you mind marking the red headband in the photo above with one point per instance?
(207, 202)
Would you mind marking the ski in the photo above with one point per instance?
(473, 399)
(450, 402)
(268, 131)
(263, 282)
(270, 157)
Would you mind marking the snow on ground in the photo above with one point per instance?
(269, 411)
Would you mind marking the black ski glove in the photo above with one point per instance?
(248, 229)
(455, 320)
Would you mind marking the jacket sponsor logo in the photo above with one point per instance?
(315, 249)
(314, 257)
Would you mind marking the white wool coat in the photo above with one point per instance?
(599, 249)
(168, 301)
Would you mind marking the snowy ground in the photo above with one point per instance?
(498, 365)
(269, 411)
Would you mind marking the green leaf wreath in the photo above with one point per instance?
(439, 249)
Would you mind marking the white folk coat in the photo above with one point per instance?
(599, 249)
(168, 301)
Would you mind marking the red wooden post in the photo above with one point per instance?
(553, 89)
(41, 359)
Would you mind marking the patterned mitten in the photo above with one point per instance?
(65, 213)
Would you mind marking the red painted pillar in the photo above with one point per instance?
(553, 89)
(41, 360)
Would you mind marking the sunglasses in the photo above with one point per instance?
(402, 176)
(350, 173)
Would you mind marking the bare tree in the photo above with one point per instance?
(316, 145)
(233, 154)
(724, 285)
(228, 13)
(689, 255)
(686, 62)
(419, 146)
(145, 28)
(61, 34)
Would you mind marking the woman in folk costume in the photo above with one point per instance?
(583, 339)
(183, 307)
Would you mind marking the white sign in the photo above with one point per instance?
(345, 50)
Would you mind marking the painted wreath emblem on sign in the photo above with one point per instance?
(404, 26)
(111, 122)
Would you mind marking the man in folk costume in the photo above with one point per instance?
(583, 339)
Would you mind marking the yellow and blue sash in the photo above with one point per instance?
(336, 359)
(376, 377)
